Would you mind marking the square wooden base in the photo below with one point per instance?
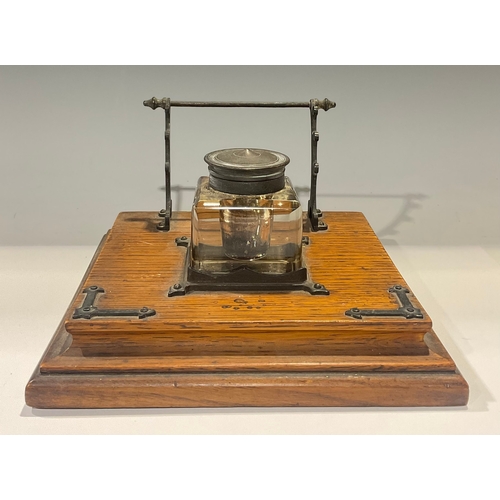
(222, 349)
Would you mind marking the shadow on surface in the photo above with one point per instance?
(410, 203)
(114, 412)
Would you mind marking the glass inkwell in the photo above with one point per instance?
(246, 227)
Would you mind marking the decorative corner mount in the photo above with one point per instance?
(406, 310)
(89, 310)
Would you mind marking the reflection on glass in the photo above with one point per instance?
(246, 227)
(261, 232)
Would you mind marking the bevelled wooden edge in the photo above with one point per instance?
(70, 360)
(234, 390)
(432, 380)
(61, 341)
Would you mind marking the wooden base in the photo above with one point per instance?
(243, 349)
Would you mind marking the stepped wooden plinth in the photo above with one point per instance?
(211, 349)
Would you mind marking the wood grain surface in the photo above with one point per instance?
(138, 264)
(65, 379)
(233, 390)
(71, 360)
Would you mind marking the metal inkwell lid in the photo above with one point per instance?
(247, 171)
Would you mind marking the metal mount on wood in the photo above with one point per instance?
(314, 105)
(242, 279)
(88, 310)
(407, 309)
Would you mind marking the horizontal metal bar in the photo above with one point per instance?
(154, 103)
(238, 104)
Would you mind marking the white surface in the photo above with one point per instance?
(458, 286)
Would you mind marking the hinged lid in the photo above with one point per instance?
(247, 171)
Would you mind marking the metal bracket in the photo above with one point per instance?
(167, 212)
(241, 283)
(313, 213)
(242, 279)
(88, 310)
(407, 309)
(314, 105)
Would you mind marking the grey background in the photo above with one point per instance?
(415, 148)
